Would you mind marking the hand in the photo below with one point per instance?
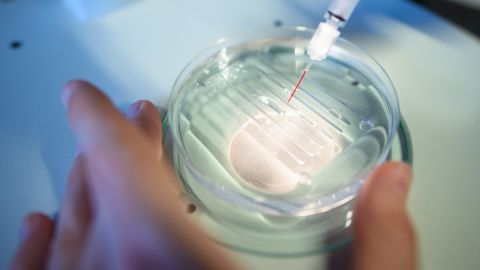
(121, 209)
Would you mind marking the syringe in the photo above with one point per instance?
(326, 34)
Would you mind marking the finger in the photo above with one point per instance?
(74, 220)
(36, 235)
(120, 159)
(76, 209)
(145, 117)
(98, 125)
(384, 235)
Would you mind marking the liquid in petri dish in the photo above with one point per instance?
(240, 129)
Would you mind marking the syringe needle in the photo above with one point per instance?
(302, 77)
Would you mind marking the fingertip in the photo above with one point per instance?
(34, 223)
(36, 220)
(70, 87)
(144, 106)
(91, 115)
(383, 198)
(395, 176)
(145, 116)
(395, 167)
(134, 108)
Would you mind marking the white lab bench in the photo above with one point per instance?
(137, 51)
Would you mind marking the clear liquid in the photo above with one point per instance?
(239, 128)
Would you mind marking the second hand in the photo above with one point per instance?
(302, 77)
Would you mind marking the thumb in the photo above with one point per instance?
(384, 235)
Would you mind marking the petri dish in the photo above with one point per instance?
(270, 176)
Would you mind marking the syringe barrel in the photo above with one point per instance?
(342, 8)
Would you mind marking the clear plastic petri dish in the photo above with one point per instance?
(276, 177)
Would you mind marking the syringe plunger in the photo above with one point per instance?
(342, 8)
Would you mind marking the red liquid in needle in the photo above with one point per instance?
(300, 80)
